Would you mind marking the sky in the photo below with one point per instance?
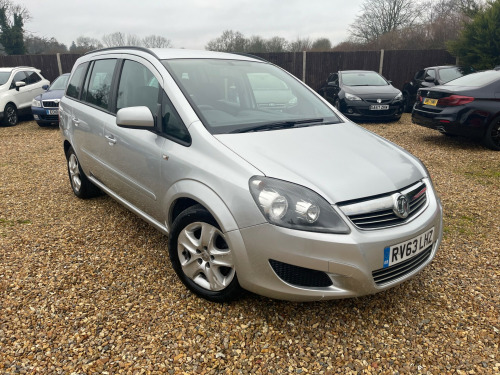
(191, 23)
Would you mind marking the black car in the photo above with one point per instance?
(363, 94)
(430, 77)
(467, 106)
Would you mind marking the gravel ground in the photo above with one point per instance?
(86, 287)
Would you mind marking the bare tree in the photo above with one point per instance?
(256, 44)
(156, 41)
(84, 44)
(300, 45)
(229, 41)
(379, 17)
(114, 40)
(321, 44)
(38, 45)
(276, 44)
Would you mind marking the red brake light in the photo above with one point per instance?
(454, 100)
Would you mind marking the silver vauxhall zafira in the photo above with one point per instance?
(258, 182)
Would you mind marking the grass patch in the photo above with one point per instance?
(14, 222)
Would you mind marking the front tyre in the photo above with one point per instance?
(10, 115)
(492, 136)
(81, 185)
(201, 257)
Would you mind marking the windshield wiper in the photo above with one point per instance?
(279, 125)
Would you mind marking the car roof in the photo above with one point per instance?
(357, 71)
(10, 69)
(441, 67)
(172, 53)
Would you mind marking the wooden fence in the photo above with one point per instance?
(313, 68)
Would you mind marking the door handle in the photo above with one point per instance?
(75, 121)
(111, 139)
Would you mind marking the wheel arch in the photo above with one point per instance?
(187, 193)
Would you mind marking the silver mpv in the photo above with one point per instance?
(259, 183)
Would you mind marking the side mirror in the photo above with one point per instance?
(20, 84)
(429, 79)
(331, 83)
(45, 87)
(135, 118)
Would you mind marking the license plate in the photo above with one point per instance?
(430, 101)
(378, 107)
(52, 111)
(405, 250)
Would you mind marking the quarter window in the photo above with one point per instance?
(99, 85)
(33, 77)
(172, 124)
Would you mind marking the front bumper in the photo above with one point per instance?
(355, 109)
(347, 260)
(40, 114)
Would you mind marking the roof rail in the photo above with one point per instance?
(143, 49)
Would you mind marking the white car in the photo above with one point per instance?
(18, 87)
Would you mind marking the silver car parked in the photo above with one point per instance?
(289, 199)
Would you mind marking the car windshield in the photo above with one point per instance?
(59, 83)
(4, 77)
(449, 74)
(363, 79)
(235, 96)
(476, 79)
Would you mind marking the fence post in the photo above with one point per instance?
(59, 63)
(381, 66)
(304, 66)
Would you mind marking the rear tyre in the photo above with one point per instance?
(81, 185)
(492, 137)
(201, 257)
(406, 103)
(10, 115)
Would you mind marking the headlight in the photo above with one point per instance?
(36, 103)
(351, 96)
(293, 206)
(399, 96)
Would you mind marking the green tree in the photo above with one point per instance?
(12, 18)
(479, 43)
(321, 44)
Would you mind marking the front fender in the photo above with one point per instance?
(205, 196)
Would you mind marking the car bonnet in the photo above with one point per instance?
(339, 161)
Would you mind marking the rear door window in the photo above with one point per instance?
(75, 84)
(98, 91)
(33, 77)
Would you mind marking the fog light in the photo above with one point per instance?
(350, 110)
(36, 117)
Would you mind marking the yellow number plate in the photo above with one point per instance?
(430, 101)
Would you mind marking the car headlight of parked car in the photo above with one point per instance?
(399, 96)
(351, 96)
(36, 103)
(293, 206)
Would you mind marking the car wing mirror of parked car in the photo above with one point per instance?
(135, 118)
(45, 87)
(20, 84)
(333, 84)
(429, 79)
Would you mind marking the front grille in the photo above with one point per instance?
(383, 101)
(374, 113)
(379, 213)
(50, 104)
(386, 275)
(50, 117)
(300, 276)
